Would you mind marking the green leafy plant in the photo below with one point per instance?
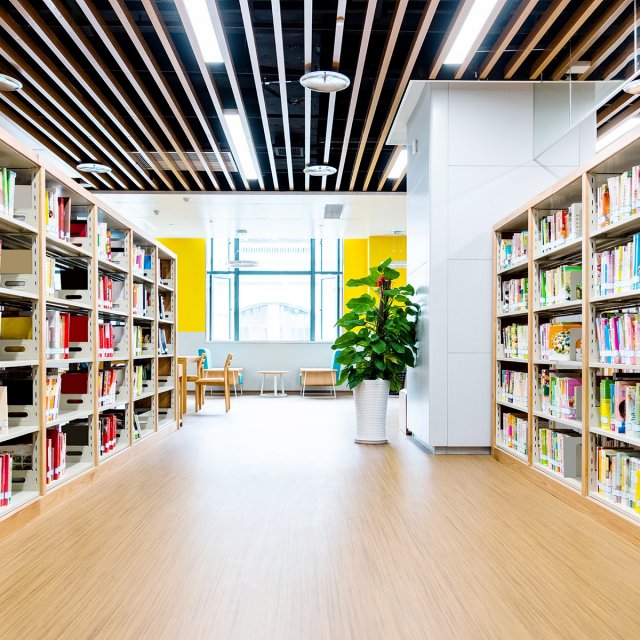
(380, 331)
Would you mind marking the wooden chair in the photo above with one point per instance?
(220, 380)
(190, 378)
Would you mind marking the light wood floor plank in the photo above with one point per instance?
(270, 523)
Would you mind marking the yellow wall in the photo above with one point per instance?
(192, 267)
(362, 253)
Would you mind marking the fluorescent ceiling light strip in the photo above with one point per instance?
(241, 142)
(617, 132)
(203, 28)
(398, 166)
(472, 26)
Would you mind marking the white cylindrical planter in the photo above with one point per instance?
(371, 398)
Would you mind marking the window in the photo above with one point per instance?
(274, 290)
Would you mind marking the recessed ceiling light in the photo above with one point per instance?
(319, 170)
(243, 144)
(325, 81)
(8, 83)
(632, 87)
(202, 25)
(475, 20)
(399, 166)
(94, 167)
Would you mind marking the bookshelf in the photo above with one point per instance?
(566, 348)
(85, 298)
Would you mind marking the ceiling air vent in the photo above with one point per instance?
(209, 156)
(281, 152)
(333, 211)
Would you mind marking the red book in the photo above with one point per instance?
(5, 488)
(75, 383)
(78, 329)
(78, 229)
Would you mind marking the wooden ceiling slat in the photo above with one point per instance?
(390, 162)
(618, 63)
(235, 88)
(493, 16)
(335, 66)
(115, 50)
(548, 18)
(621, 101)
(509, 32)
(398, 182)
(39, 57)
(630, 111)
(595, 31)
(282, 79)
(45, 33)
(606, 49)
(460, 15)
(575, 22)
(255, 70)
(47, 99)
(416, 46)
(389, 47)
(144, 51)
(308, 32)
(355, 87)
(94, 59)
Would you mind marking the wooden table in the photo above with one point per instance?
(235, 371)
(275, 373)
(317, 377)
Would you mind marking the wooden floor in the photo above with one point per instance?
(270, 523)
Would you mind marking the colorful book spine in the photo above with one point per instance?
(515, 295)
(618, 337)
(515, 341)
(620, 406)
(514, 387)
(513, 250)
(561, 452)
(617, 270)
(560, 227)
(560, 284)
(513, 433)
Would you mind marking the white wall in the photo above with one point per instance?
(256, 356)
(478, 159)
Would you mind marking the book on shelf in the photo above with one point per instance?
(4, 412)
(620, 406)
(104, 242)
(107, 386)
(513, 432)
(17, 326)
(515, 341)
(6, 473)
(163, 348)
(7, 192)
(56, 453)
(560, 227)
(560, 395)
(108, 432)
(560, 284)
(52, 396)
(140, 299)
(510, 251)
(618, 198)
(136, 426)
(561, 341)
(53, 277)
(619, 475)
(161, 310)
(139, 378)
(105, 291)
(617, 270)
(141, 260)
(58, 332)
(618, 337)
(515, 295)
(58, 221)
(561, 451)
(514, 387)
(105, 339)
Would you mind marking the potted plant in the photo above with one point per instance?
(378, 344)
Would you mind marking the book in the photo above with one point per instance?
(4, 412)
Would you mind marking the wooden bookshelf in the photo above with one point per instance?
(78, 276)
(575, 424)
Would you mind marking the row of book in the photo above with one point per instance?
(6, 474)
(141, 299)
(618, 198)
(53, 280)
(139, 378)
(513, 433)
(561, 451)
(141, 260)
(561, 341)
(108, 425)
(104, 242)
(513, 250)
(560, 284)
(63, 329)
(515, 341)
(7, 191)
(107, 386)
(620, 406)
(514, 387)
(141, 339)
(52, 396)
(560, 395)
(619, 476)
(105, 339)
(163, 347)
(162, 311)
(515, 295)
(56, 454)
(105, 292)
(560, 227)
(617, 270)
(618, 337)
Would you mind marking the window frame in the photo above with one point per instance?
(236, 275)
